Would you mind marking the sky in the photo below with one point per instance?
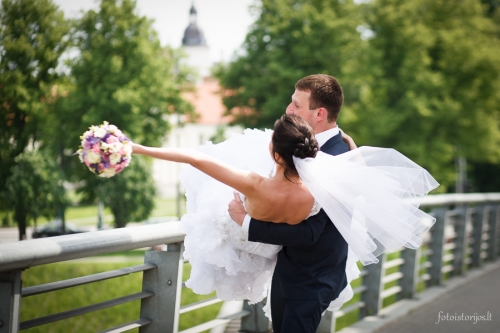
(225, 23)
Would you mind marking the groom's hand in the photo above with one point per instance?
(236, 209)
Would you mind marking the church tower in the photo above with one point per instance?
(195, 46)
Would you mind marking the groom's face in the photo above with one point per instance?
(300, 107)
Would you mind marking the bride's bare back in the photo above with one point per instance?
(280, 200)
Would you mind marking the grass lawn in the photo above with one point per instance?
(87, 215)
(63, 300)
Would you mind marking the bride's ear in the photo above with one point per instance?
(278, 159)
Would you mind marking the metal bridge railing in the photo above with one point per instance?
(465, 235)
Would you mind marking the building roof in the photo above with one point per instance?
(193, 35)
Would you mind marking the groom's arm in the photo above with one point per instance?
(304, 234)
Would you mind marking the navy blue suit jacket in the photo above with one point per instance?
(311, 264)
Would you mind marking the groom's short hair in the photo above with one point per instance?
(325, 92)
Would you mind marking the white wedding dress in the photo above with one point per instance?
(366, 193)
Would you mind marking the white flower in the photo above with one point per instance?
(112, 128)
(87, 134)
(93, 157)
(114, 158)
(128, 149)
(107, 173)
(114, 147)
(104, 146)
(99, 132)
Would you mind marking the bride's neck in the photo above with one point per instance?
(280, 175)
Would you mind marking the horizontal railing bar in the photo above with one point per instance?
(83, 310)
(458, 198)
(447, 268)
(393, 263)
(468, 261)
(216, 322)
(34, 252)
(425, 277)
(347, 309)
(392, 277)
(128, 326)
(391, 291)
(53, 286)
(359, 289)
(450, 235)
(363, 273)
(448, 257)
(449, 246)
(426, 264)
(200, 304)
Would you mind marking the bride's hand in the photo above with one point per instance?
(348, 140)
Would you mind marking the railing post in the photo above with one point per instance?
(493, 223)
(436, 247)
(374, 287)
(410, 269)
(165, 282)
(327, 323)
(461, 241)
(256, 321)
(10, 301)
(477, 220)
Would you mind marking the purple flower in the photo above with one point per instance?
(93, 140)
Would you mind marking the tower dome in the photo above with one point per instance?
(193, 36)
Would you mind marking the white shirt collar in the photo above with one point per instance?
(323, 137)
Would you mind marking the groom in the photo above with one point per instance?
(310, 269)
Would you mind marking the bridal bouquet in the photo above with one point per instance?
(105, 150)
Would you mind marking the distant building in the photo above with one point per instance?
(207, 103)
(195, 46)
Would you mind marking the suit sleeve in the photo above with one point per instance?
(304, 234)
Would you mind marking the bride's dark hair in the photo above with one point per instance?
(293, 137)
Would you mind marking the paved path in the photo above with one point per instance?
(478, 301)
(474, 294)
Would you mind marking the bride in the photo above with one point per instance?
(365, 193)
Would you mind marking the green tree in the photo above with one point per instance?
(130, 194)
(432, 85)
(121, 75)
(34, 189)
(32, 39)
(289, 40)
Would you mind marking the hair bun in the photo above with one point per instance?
(307, 148)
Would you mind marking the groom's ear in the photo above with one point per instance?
(321, 114)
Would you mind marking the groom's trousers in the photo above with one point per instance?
(295, 315)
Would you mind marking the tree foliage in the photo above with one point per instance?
(32, 38)
(117, 71)
(130, 194)
(123, 76)
(289, 40)
(34, 189)
(433, 79)
(421, 76)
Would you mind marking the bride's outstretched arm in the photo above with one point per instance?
(243, 181)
